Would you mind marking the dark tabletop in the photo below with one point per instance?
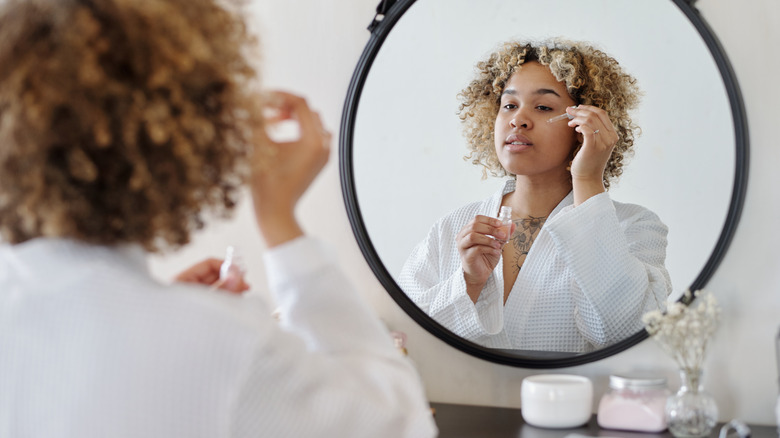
(463, 421)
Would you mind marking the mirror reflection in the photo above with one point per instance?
(568, 269)
(410, 175)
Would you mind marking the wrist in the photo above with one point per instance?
(277, 228)
(586, 188)
(473, 287)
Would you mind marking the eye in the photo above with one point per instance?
(509, 106)
(543, 108)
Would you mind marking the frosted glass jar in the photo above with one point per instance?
(634, 402)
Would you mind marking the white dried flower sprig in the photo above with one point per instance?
(684, 331)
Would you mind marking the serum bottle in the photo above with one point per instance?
(505, 216)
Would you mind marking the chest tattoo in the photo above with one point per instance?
(525, 233)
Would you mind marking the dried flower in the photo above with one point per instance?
(683, 330)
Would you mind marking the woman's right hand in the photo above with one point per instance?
(281, 176)
(479, 252)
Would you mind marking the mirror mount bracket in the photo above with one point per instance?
(381, 11)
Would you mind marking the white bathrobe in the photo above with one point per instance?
(590, 275)
(91, 346)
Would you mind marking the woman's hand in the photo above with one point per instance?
(282, 175)
(598, 139)
(206, 273)
(479, 252)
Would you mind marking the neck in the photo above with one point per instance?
(533, 197)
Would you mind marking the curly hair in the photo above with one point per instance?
(591, 77)
(122, 121)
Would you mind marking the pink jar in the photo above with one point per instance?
(634, 402)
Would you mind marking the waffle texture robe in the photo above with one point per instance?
(590, 275)
(92, 346)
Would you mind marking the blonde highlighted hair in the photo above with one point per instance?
(121, 121)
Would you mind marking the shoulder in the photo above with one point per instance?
(627, 212)
(602, 207)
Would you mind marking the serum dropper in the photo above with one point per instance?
(232, 269)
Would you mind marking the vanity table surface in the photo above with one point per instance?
(462, 421)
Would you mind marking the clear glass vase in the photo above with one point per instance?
(692, 411)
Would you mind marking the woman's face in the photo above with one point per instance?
(525, 143)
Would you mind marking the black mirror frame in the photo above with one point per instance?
(388, 14)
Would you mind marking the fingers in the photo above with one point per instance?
(286, 106)
(312, 134)
(474, 240)
(204, 272)
(483, 230)
(318, 129)
(475, 254)
(594, 124)
(480, 251)
(281, 105)
(232, 284)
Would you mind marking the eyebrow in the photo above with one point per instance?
(541, 91)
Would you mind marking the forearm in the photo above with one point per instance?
(278, 228)
(313, 294)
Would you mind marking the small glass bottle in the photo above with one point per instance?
(634, 402)
(505, 216)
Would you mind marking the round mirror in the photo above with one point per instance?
(402, 149)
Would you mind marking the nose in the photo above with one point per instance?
(514, 123)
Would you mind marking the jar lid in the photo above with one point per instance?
(556, 387)
(637, 381)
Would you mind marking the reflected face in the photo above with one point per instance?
(525, 143)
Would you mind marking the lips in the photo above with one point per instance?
(517, 142)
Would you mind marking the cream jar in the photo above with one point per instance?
(556, 401)
(634, 402)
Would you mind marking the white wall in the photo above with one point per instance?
(312, 46)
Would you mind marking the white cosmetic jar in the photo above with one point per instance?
(556, 401)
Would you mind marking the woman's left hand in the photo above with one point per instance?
(598, 140)
(206, 273)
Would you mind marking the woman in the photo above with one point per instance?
(579, 269)
(122, 124)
